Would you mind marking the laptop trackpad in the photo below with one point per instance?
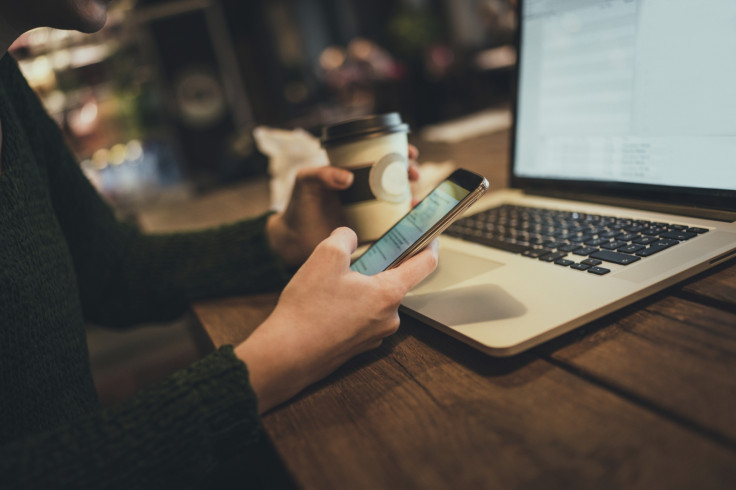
(454, 267)
(470, 304)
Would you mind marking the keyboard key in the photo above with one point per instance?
(699, 231)
(630, 249)
(615, 257)
(613, 245)
(627, 237)
(666, 242)
(651, 250)
(678, 235)
(553, 245)
(645, 240)
(564, 262)
(597, 241)
(535, 252)
(580, 267)
(653, 230)
(591, 262)
(599, 270)
(585, 251)
(551, 257)
(570, 247)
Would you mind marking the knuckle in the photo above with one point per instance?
(386, 322)
(395, 294)
(375, 344)
(392, 325)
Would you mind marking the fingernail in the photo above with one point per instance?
(344, 178)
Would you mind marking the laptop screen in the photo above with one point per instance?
(629, 92)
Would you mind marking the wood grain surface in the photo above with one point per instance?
(642, 398)
(427, 412)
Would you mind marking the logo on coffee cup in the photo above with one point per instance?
(388, 178)
(375, 148)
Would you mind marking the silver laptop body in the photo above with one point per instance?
(624, 109)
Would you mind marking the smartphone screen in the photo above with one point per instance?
(410, 228)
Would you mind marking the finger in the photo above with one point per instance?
(411, 272)
(334, 252)
(413, 172)
(413, 152)
(345, 238)
(331, 177)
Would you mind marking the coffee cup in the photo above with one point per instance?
(375, 148)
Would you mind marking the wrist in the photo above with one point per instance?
(271, 366)
(282, 240)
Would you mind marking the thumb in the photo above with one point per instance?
(337, 248)
(344, 237)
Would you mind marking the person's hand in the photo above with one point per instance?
(314, 210)
(326, 315)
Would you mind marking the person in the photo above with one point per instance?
(65, 260)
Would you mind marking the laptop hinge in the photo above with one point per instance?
(691, 211)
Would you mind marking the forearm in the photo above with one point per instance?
(159, 275)
(170, 436)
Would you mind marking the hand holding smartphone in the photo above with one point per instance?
(423, 223)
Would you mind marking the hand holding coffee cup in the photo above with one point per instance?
(375, 148)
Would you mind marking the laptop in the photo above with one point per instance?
(623, 173)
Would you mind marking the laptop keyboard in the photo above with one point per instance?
(584, 242)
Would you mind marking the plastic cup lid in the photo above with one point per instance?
(363, 127)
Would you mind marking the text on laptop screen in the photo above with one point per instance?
(628, 91)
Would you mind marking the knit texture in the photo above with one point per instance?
(66, 260)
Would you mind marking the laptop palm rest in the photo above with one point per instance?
(436, 297)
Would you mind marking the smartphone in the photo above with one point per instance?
(423, 223)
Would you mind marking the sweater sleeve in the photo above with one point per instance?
(125, 276)
(155, 277)
(169, 436)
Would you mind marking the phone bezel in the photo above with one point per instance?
(475, 183)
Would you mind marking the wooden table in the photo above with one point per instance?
(643, 398)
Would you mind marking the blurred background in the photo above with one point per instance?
(165, 98)
(161, 104)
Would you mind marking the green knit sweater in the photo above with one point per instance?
(65, 260)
